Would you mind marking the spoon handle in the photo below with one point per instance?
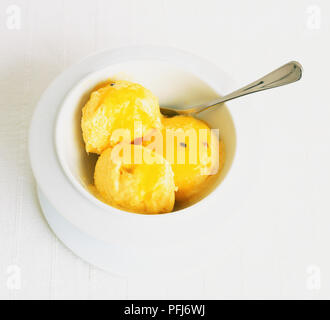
(286, 74)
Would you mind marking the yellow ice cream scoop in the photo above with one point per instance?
(135, 179)
(194, 152)
(118, 111)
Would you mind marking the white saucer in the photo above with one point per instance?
(122, 242)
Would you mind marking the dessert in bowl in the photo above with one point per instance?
(147, 161)
(107, 235)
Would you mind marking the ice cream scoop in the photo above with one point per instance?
(194, 152)
(135, 179)
(117, 111)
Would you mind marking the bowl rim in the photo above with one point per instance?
(45, 119)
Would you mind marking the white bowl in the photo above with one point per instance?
(118, 241)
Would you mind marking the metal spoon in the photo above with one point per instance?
(290, 72)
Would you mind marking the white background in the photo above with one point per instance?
(277, 246)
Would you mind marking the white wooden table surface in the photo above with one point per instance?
(278, 245)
